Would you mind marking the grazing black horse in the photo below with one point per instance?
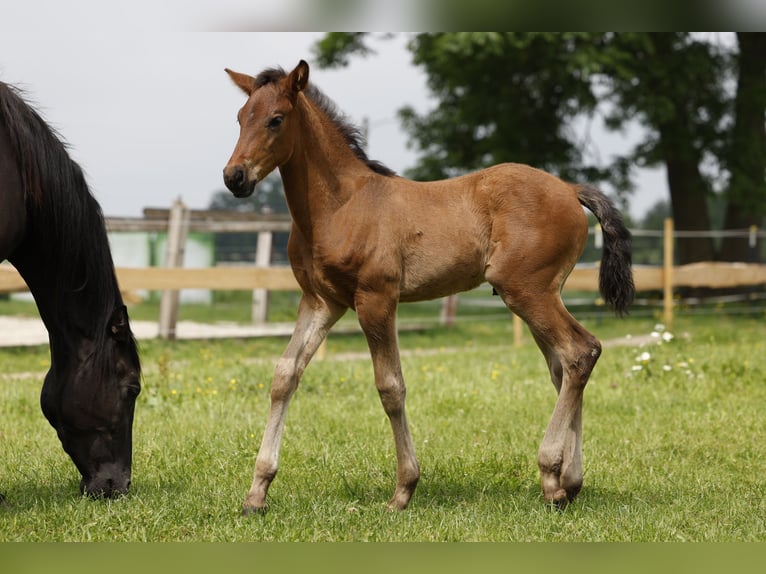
(52, 230)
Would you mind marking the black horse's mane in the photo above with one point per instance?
(65, 223)
(351, 133)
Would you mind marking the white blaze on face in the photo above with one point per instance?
(253, 173)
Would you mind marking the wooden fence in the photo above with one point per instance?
(261, 277)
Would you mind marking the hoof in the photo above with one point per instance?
(559, 499)
(253, 510)
(399, 501)
(560, 503)
(392, 506)
(255, 503)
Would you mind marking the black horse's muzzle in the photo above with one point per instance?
(107, 483)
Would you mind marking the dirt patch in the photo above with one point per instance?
(29, 331)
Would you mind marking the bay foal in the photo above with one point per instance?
(363, 238)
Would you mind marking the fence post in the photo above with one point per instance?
(260, 309)
(449, 310)
(518, 330)
(667, 274)
(178, 229)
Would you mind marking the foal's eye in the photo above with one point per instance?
(275, 122)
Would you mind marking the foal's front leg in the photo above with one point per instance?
(315, 318)
(377, 316)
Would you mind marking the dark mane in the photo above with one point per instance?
(66, 227)
(350, 132)
(269, 76)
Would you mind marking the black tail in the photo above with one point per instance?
(615, 279)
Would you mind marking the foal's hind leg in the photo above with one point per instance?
(315, 317)
(571, 353)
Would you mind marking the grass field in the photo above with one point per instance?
(674, 445)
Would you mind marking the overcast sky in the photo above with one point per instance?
(150, 115)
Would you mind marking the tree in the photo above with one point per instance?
(514, 97)
(655, 216)
(746, 159)
(677, 84)
(496, 104)
(671, 83)
(502, 97)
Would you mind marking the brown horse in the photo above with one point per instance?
(365, 239)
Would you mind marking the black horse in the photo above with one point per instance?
(52, 230)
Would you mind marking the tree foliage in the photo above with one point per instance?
(746, 152)
(670, 82)
(496, 104)
(515, 97)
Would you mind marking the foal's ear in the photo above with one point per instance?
(299, 77)
(118, 324)
(243, 81)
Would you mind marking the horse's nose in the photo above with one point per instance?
(104, 488)
(110, 482)
(234, 177)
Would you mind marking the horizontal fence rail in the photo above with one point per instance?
(225, 278)
(261, 277)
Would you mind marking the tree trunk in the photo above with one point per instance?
(747, 160)
(687, 198)
(687, 186)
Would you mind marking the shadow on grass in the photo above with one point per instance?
(28, 496)
(442, 486)
(446, 487)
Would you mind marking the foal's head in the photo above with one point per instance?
(266, 126)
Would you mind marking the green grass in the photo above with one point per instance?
(673, 451)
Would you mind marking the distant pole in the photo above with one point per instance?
(667, 273)
(449, 310)
(518, 330)
(260, 309)
(178, 229)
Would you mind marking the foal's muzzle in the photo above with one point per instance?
(235, 178)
